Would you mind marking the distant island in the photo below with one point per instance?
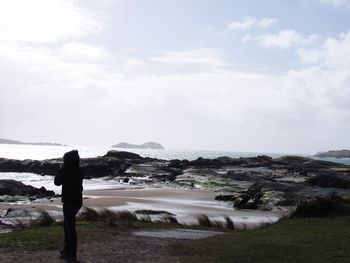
(147, 145)
(6, 141)
(334, 154)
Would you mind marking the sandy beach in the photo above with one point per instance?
(185, 204)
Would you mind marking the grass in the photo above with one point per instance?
(10, 198)
(298, 239)
(290, 240)
(33, 238)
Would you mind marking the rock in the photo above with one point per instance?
(103, 166)
(265, 195)
(49, 167)
(311, 193)
(334, 154)
(178, 164)
(251, 199)
(159, 171)
(123, 155)
(222, 197)
(12, 187)
(259, 161)
(331, 180)
(267, 182)
(206, 163)
(25, 216)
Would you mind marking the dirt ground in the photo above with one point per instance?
(120, 248)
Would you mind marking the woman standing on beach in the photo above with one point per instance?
(70, 176)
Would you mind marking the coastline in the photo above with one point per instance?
(185, 204)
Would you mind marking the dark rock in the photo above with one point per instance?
(12, 187)
(251, 199)
(258, 161)
(206, 163)
(103, 166)
(334, 154)
(49, 167)
(311, 193)
(225, 197)
(154, 170)
(123, 155)
(337, 180)
(179, 164)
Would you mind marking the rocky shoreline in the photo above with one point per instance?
(261, 182)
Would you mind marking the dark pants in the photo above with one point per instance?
(70, 234)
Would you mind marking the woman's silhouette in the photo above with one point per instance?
(70, 176)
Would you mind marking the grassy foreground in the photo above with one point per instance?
(291, 240)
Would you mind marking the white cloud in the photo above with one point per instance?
(246, 23)
(284, 39)
(41, 21)
(212, 109)
(336, 3)
(249, 22)
(266, 22)
(76, 51)
(134, 62)
(57, 87)
(203, 56)
(334, 53)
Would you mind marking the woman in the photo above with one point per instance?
(70, 176)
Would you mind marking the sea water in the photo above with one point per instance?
(36, 152)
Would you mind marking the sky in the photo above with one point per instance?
(259, 76)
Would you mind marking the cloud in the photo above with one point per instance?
(249, 22)
(334, 53)
(336, 3)
(57, 87)
(203, 56)
(284, 39)
(76, 51)
(40, 21)
(266, 22)
(222, 109)
(134, 62)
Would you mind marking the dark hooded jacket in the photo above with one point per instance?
(70, 176)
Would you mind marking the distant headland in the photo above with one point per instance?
(147, 145)
(334, 154)
(6, 141)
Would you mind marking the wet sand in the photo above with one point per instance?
(185, 204)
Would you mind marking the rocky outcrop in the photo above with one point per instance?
(334, 154)
(122, 155)
(12, 187)
(332, 179)
(256, 182)
(49, 167)
(93, 167)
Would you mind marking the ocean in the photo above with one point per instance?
(36, 152)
